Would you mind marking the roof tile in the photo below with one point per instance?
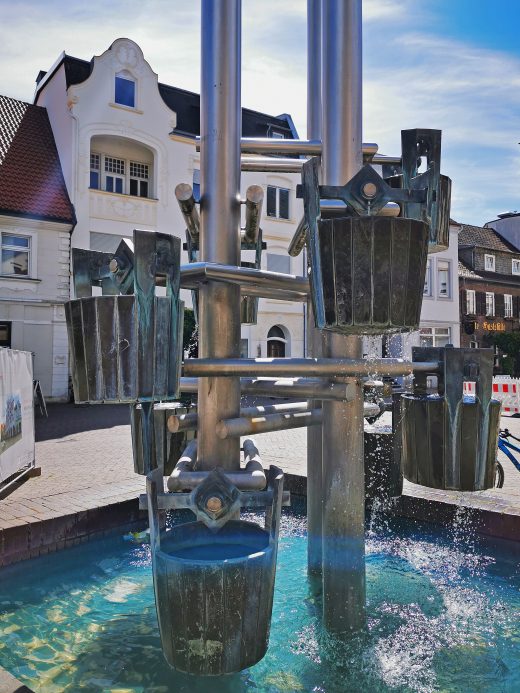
(31, 179)
(483, 237)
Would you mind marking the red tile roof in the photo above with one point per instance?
(31, 179)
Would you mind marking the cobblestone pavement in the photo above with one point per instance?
(85, 455)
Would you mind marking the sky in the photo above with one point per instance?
(453, 65)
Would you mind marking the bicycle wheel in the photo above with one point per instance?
(499, 475)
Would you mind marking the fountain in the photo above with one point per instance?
(367, 237)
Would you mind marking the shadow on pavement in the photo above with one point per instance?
(66, 419)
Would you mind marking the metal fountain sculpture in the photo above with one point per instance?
(368, 237)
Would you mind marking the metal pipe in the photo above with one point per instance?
(254, 200)
(317, 388)
(271, 145)
(182, 501)
(252, 477)
(242, 426)
(299, 239)
(332, 367)
(309, 147)
(184, 195)
(273, 164)
(343, 464)
(254, 282)
(279, 422)
(190, 422)
(219, 303)
(392, 160)
(314, 435)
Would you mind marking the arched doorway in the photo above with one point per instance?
(276, 343)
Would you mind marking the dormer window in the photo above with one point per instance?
(515, 266)
(125, 90)
(489, 263)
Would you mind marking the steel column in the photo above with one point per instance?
(314, 436)
(343, 465)
(219, 303)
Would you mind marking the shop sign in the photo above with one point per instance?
(494, 326)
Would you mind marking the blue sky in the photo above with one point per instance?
(448, 64)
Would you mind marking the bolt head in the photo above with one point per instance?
(214, 504)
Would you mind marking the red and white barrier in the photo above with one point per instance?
(507, 390)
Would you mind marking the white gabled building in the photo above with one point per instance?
(125, 141)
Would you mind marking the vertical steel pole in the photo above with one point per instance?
(314, 435)
(343, 464)
(219, 303)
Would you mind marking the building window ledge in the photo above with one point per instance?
(125, 195)
(129, 109)
(18, 278)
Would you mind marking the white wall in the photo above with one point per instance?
(34, 305)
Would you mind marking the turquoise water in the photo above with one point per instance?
(443, 615)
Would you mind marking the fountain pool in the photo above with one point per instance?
(443, 615)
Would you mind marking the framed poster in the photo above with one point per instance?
(16, 412)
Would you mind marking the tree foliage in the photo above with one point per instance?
(509, 343)
(190, 337)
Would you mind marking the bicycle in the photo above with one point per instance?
(506, 447)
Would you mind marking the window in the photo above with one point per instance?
(16, 255)
(276, 343)
(139, 174)
(278, 263)
(125, 90)
(471, 304)
(489, 263)
(196, 184)
(114, 175)
(490, 304)
(515, 266)
(5, 334)
(94, 171)
(277, 202)
(119, 175)
(434, 336)
(427, 291)
(508, 306)
(443, 278)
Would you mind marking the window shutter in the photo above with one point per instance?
(516, 306)
(480, 299)
(463, 302)
(271, 201)
(284, 204)
(499, 306)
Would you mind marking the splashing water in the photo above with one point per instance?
(443, 614)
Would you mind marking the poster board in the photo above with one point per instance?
(16, 412)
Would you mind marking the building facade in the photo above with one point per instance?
(125, 141)
(36, 221)
(489, 286)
